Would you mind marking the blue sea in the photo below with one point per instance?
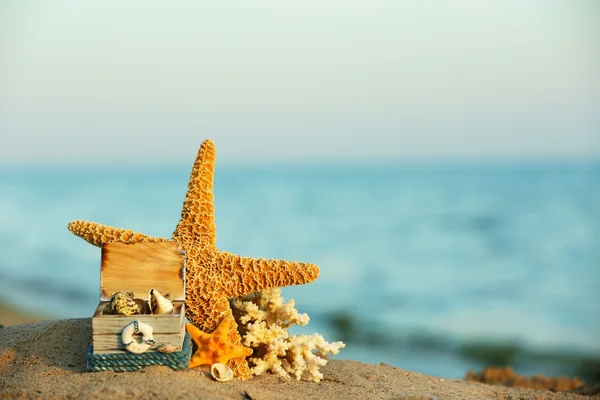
(418, 261)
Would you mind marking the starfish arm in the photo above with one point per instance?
(198, 213)
(97, 234)
(243, 275)
(207, 311)
(221, 346)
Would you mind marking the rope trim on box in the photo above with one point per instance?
(125, 361)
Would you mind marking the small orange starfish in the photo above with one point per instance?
(215, 347)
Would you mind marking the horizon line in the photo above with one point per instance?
(322, 163)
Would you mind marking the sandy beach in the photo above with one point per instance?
(47, 360)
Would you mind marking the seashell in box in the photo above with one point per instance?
(143, 271)
(158, 303)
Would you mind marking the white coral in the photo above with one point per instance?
(263, 319)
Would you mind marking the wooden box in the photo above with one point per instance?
(137, 268)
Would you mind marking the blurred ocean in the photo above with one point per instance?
(432, 268)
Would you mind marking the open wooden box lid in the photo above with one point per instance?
(139, 267)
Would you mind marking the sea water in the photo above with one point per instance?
(416, 260)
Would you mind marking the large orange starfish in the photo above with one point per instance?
(212, 276)
(215, 347)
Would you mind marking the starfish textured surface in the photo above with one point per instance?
(97, 234)
(215, 347)
(212, 276)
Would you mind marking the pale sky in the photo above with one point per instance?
(147, 81)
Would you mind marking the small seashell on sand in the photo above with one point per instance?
(221, 372)
(159, 304)
(167, 348)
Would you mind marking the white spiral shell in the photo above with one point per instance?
(159, 304)
(221, 372)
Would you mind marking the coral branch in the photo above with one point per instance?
(263, 319)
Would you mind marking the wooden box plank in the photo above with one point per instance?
(112, 343)
(139, 267)
(162, 323)
(166, 329)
